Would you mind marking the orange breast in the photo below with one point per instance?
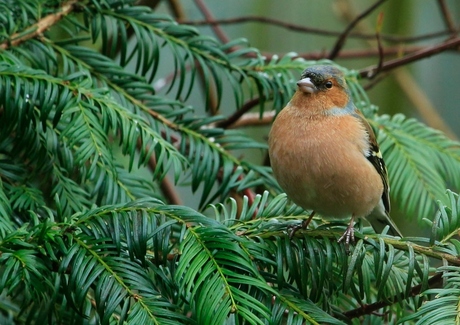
(319, 161)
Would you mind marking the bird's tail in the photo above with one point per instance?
(379, 220)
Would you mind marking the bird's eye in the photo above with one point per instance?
(329, 84)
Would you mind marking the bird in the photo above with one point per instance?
(325, 156)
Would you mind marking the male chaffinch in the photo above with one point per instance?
(324, 154)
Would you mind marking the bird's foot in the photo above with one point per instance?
(293, 229)
(348, 235)
(303, 225)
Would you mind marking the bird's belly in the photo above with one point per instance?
(307, 179)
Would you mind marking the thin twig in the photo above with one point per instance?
(381, 56)
(343, 37)
(209, 17)
(354, 54)
(379, 43)
(254, 119)
(213, 101)
(169, 191)
(313, 30)
(358, 54)
(374, 81)
(177, 9)
(345, 54)
(412, 90)
(369, 309)
(166, 186)
(235, 116)
(211, 92)
(424, 53)
(40, 27)
(447, 17)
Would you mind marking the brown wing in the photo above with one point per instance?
(376, 159)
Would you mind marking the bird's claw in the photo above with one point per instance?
(294, 229)
(349, 236)
(303, 225)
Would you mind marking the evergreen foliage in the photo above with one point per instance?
(86, 239)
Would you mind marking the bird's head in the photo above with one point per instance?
(326, 86)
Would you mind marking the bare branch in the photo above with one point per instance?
(313, 30)
(434, 281)
(166, 186)
(358, 53)
(254, 119)
(447, 17)
(341, 41)
(374, 81)
(212, 95)
(379, 42)
(411, 89)
(424, 53)
(209, 17)
(177, 9)
(169, 191)
(236, 116)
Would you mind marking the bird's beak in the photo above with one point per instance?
(305, 85)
